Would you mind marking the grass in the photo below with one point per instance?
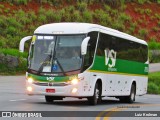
(154, 83)
(13, 52)
(153, 45)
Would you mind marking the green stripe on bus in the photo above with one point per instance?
(121, 66)
(44, 78)
(105, 72)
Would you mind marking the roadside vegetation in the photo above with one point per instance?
(19, 18)
(12, 62)
(154, 83)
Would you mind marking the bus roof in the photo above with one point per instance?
(82, 28)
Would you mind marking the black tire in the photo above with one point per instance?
(96, 98)
(49, 99)
(131, 97)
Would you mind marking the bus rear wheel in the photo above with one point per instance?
(131, 97)
(96, 98)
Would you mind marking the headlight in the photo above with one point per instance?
(29, 88)
(74, 81)
(30, 80)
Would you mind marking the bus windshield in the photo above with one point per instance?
(56, 54)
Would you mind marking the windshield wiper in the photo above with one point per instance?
(48, 58)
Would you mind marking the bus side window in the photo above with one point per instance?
(105, 42)
(88, 59)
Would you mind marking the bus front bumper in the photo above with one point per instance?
(66, 91)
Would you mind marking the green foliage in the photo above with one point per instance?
(42, 18)
(124, 17)
(154, 52)
(143, 33)
(76, 16)
(13, 52)
(154, 56)
(54, 16)
(22, 64)
(118, 25)
(156, 29)
(157, 16)
(23, 2)
(143, 11)
(82, 6)
(67, 16)
(142, 1)
(6, 10)
(153, 88)
(159, 23)
(87, 16)
(102, 17)
(153, 45)
(18, 23)
(148, 11)
(2, 42)
(1, 6)
(11, 21)
(107, 8)
(132, 27)
(11, 30)
(154, 83)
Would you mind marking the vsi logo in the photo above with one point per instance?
(110, 54)
(50, 78)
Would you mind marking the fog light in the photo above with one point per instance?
(74, 90)
(30, 80)
(29, 89)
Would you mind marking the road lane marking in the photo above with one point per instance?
(118, 109)
(103, 112)
(17, 100)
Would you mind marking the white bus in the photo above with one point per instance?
(85, 60)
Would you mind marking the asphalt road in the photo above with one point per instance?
(154, 67)
(13, 98)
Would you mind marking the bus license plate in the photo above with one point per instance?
(50, 90)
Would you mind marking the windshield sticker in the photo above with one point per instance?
(33, 38)
(40, 37)
(55, 67)
(48, 37)
(46, 69)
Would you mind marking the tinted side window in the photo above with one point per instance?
(133, 51)
(106, 42)
(126, 50)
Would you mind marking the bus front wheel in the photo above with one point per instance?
(96, 98)
(49, 99)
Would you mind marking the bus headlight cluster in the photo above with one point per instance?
(30, 80)
(74, 81)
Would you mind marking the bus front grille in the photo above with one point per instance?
(50, 84)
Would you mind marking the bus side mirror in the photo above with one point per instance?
(22, 42)
(84, 45)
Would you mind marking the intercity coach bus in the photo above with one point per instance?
(85, 60)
